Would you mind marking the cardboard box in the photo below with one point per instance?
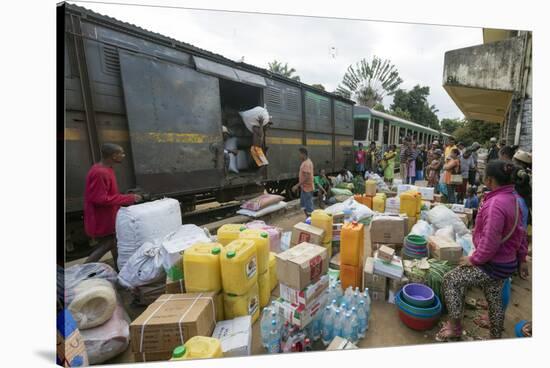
(335, 262)
(421, 184)
(405, 187)
(463, 217)
(302, 232)
(147, 294)
(175, 287)
(339, 343)
(427, 193)
(70, 345)
(305, 296)
(469, 214)
(394, 287)
(338, 218)
(377, 296)
(377, 246)
(444, 249)
(392, 206)
(302, 265)
(171, 320)
(386, 253)
(388, 229)
(157, 356)
(458, 208)
(393, 269)
(235, 336)
(371, 280)
(300, 315)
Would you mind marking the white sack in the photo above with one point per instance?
(441, 216)
(145, 222)
(358, 210)
(94, 303)
(422, 228)
(252, 117)
(108, 340)
(143, 267)
(263, 211)
(446, 232)
(178, 241)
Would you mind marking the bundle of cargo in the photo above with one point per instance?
(302, 232)
(262, 205)
(376, 284)
(388, 231)
(324, 221)
(302, 272)
(235, 336)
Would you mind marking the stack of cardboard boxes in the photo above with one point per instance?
(303, 280)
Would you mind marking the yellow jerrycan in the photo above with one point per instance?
(229, 232)
(322, 220)
(239, 266)
(247, 304)
(264, 288)
(273, 281)
(198, 347)
(261, 241)
(201, 268)
(352, 243)
(379, 202)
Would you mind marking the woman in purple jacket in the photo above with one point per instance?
(500, 250)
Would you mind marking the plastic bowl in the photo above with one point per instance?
(418, 324)
(421, 312)
(416, 240)
(418, 295)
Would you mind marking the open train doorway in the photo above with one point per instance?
(235, 97)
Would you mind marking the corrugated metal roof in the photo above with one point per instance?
(171, 42)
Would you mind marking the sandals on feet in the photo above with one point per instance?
(447, 333)
(482, 321)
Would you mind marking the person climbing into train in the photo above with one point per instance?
(389, 163)
(305, 183)
(360, 159)
(258, 142)
(500, 250)
(102, 201)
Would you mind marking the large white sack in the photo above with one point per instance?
(358, 210)
(74, 275)
(143, 267)
(441, 216)
(145, 222)
(93, 304)
(108, 340)
(252, 117)
(422, 228)
(178, 241)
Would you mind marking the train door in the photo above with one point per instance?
(174, 125)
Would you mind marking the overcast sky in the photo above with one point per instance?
(305, 43)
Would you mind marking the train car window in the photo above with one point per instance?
(360, 130)
(386, 132)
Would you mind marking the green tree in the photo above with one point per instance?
(318, 86)
(368, 82)
(476, 131)
(415, 102)
(283, 69)
(404, 114)
(379, 107)
(450, 125)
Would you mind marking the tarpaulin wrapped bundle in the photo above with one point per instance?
(145, 222)
(108, 340)
(93, 304)
(262, 201)
(359, 211)
(74, 275)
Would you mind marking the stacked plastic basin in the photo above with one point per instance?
(418, 306)
(415, 247)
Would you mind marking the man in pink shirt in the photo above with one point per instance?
(360, 160)
(102, 201)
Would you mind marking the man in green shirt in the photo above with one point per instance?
(322, 187)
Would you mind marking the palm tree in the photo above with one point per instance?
(369, 82)
(283, 69)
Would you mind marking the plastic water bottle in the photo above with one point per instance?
(334, 305)
(343, 308)
(367, 299)
(348, 295)
(274, 316)
(274, 345)
(327, 326)
(265, 326)
(316, 328)
(361, 319)
(337, 324)
(347, 329)
(339, 291)
(354, 326)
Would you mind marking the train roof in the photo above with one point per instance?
(173, 43)
(365, 110)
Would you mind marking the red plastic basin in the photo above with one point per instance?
(418, 324)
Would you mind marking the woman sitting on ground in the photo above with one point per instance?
(500, 250)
